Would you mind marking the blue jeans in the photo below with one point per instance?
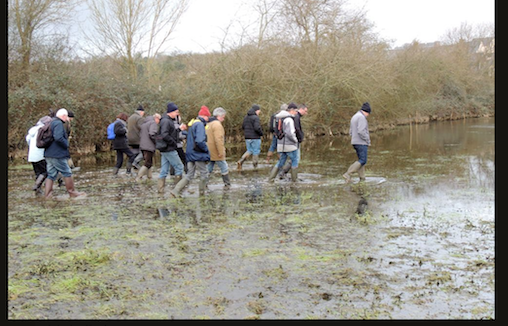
(170, 158)
(293, 156)
(223, 166)
(253, 146)
(273, 146)
(361, 152)
(55, 165)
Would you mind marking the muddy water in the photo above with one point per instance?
(422, 249)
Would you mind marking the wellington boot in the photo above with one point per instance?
(177, 179)
(361, 173)
(273, 173)
(179, 187)
(227, 183)
(38, 182)
(48, 193)
(241, 160)
(142, 172)
(353, 168)
(137, 160)
(69, 185)
(160, 185)
(202, 186)
(115, 170)
(255, 161)
(128, 167)
(294, 174)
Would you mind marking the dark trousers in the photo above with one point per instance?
(148, 156)
(40, 168)
(119, 156)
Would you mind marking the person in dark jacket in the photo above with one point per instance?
(197, 153)
(134, 123)
(57, 155)
(120, 143)
(147, 134)
(182, 135)
(252, 132)
(167, 144)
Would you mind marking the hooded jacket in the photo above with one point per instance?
(215, 139)
(359, 129)
(289, 142)
(59, 148)
(251, 125)
(167, 138)
(196, 149)
(134, 126)
(147, 134)
(120, 141)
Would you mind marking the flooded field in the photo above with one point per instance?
(424, 248)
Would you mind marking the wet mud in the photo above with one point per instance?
(415, 241)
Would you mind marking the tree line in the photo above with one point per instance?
(304, 51)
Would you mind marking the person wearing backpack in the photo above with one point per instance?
(149, 130)
(120, 144)
(272, 127)
(252, 132)
(287, 146)
(36, 154)
(302, 110)
(57, 156)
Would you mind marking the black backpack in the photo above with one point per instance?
(278, 126)
(45, 135)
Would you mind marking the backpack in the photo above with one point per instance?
(45, 135)
(111, 131)
(279, 127)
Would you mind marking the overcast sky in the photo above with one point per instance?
(402, 21)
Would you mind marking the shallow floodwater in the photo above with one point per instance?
(424, 247)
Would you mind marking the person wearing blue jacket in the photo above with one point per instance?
(57, 156)
(197, 153)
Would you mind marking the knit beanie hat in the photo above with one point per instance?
(205, 112)
(140, 108)
(171, 107)
(292, 106)
(366, 107)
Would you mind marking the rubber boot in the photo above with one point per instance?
(285, 169)
(227, 183)
(38, 182)
(48, 193)
(177, 179)
(115, 170)
(179, 187)
(241, 160)
(128, 167)
(361, 173)
(294, 174)
(160, 185)
(273, 173)
(69, 185)
(142, 172)
(255, 161)
(202, 187)
(353, 168)
(136, 161)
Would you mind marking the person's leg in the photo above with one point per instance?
(203, 176)
(224, 171)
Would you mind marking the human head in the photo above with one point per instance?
(157, 118)
(292, 108)
(63, 114)
(71, 115)
(123, 116)
(172, 110)
(283, 107)
(204, 112)
(220, 113)
(302, 109)
(140, 110)
(366, 108)
(256, 108)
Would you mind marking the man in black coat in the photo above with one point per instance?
(252, 132)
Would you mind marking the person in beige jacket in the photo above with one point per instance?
(215, 141)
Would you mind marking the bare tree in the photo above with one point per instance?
(31, 16)
(131, 27)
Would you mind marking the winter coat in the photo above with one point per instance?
(167, 137)
(120, 141)
(149, 130)
(215, 140)
(359, 129)
(181, 135)
(35, 154)
(289, 142)
(251, 125)
(298, 127)
(197, 150)
(133, 128)
(59, 148)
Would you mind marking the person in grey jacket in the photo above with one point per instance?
(147, 134)
(360, 139)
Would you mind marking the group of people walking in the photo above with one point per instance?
(138, 137)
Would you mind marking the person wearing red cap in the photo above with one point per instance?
(197, 153)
